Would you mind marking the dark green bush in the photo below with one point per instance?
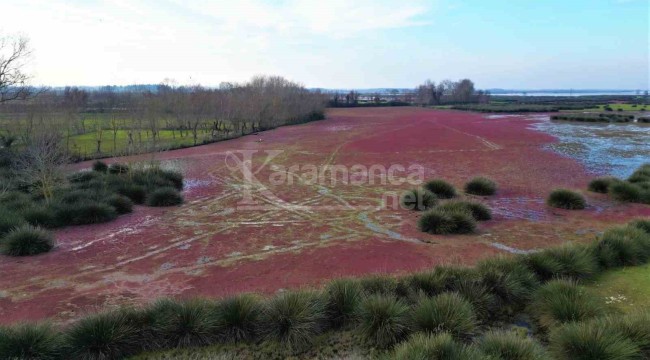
(26, 240)
(184, 324)
(447, 312)
(508, 345)
(118, 169)
(294, 318)
(30, 341)
(441, 188)
(566, 199)
(442, 222)
(417, 199)
(121, 203)
(478, 211)
(584, 341)
(634, 326)
(434, 347)
(238, 318)
(563, 301)
(626, 192)
(384, 320)
(40, 216)
(481, 186)
(483, 301)
(9, 220)
(602, 184)
(171, 177)
(100, 166)
(342, 298)
(137, 193)
(166, 196)
(623, 246)
(111, 335)
(83, 213)
(544, 265)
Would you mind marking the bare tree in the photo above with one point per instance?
(14, 54)
(41, 162)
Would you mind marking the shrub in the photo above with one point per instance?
(642, 224)
(184, 324)
(602, 184)
(378, 285)
(626, 192)
(137, 193)
(448, 312)
(238, 317)
(166, 196)
(478, 211)
(9, 220)
(173, 177)
(110, 335)
(623, 246)
(384, 320)
(441, 188)
(481, 186)
(118, 169)
(417, 199)
(434, 347)
(479, 295)
(100, 166)
(121, 203)
(508, 345)
(342, 298)
(26, 240)
(566, 199)
(30, 341)
(583, 341)
(429, 283)
(508, 279)
(562, 301)
(543, 264)
(40, 216)
(442, 222)
(293, 318)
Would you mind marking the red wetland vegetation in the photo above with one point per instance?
(307, 233)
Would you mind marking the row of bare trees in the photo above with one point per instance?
(447, 91)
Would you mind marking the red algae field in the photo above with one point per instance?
(233, 235)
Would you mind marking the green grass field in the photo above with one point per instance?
(627, 289)
(622, 107)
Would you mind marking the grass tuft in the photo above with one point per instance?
(100, 166)
(417, 199)
(238, 317)
(384, 320)
(27, 240)
(441, 222)
(509, 345)
(184, 324)
(30, 341)
(434, 347)
(583, 341)
(602, 184)
(342, 299)
(441, 188)
(566, 199)
(121, 203)
(294, 318)
(562, 301)
(165, 196)
(448, 312)
(479, 211)
(626, 192)
(481, 186)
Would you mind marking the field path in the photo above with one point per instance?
(301, 233)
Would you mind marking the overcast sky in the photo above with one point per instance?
(337, 43)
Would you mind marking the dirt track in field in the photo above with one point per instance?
(307, 233)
